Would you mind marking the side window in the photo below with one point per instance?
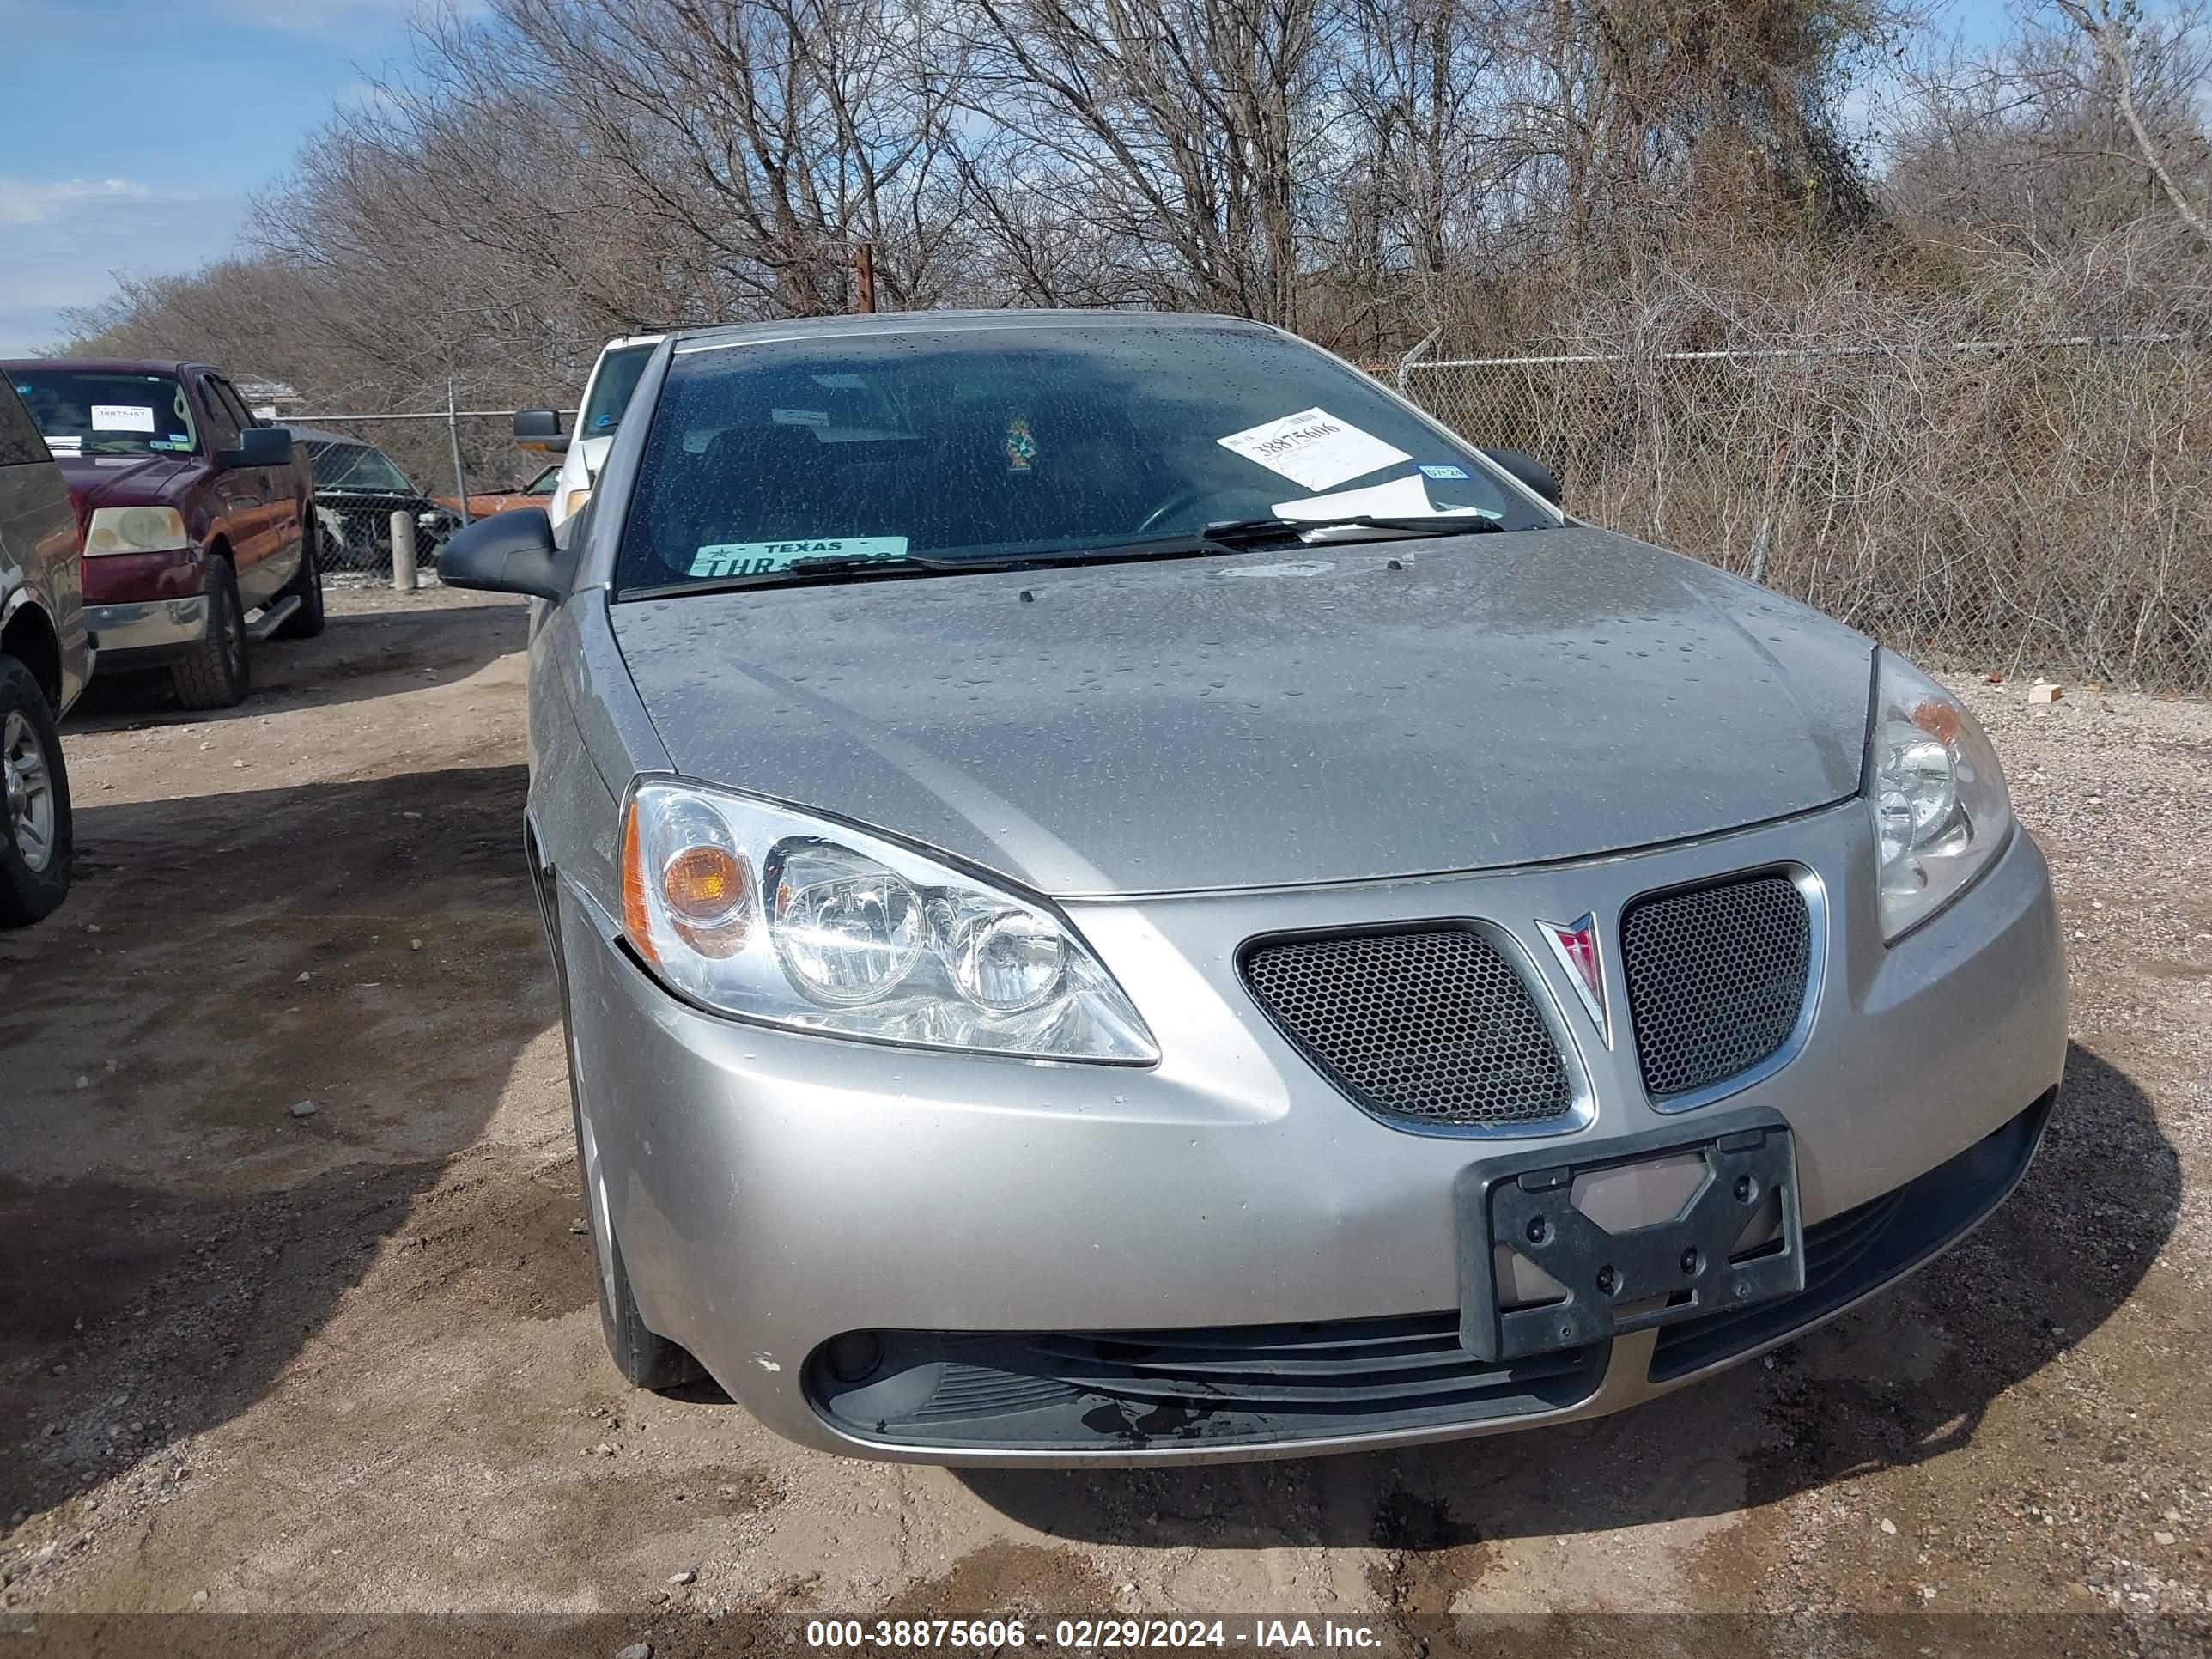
(222, 426)
(233, 404)
(20, 442)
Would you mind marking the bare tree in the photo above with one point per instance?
(1187, 128)
(2112, 31)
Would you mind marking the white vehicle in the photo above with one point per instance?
(606, 394)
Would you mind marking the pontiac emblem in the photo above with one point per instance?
(1575, 944)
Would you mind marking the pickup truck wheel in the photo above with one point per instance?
(307, 587)
(35, 802)
(216, 675)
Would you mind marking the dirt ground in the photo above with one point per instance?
(348, 1361)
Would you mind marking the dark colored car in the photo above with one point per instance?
(45, 657)
(192, 514)
(357, 489)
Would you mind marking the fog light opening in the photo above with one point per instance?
(855, 1355)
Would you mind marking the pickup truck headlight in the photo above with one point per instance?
(135, 530)
(1937, 793)
(761, 911)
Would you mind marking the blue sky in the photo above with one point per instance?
(135, 130)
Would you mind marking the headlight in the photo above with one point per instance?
(1937, 793)
(763, 912)
(135, 530)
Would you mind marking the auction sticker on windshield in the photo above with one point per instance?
(121, 418)
(752, 558)
(1313, 448)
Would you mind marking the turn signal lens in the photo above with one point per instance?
(708, 891)
(572, 502)
(685, 886)
(637, 918)
(703, 883)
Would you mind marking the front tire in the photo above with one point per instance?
(216, 674)
(645, 1358)
(36, 836)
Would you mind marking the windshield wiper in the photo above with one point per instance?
(1239, 532)
(1231, 536)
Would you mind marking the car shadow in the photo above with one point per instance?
(400, 646)
(1904, 1378)
(176, 1235)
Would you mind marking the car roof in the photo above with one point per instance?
(316, 434)
(860, 325)
(105, 365)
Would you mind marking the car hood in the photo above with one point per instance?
(1336, 713)
(357, 500)
(125, 480)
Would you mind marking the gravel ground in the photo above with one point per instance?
(255, 1357)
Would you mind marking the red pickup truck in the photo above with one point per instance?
(195, 517)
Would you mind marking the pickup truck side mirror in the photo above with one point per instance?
(540, 429)
(510, 552)
(258, 445)
(1529, 471)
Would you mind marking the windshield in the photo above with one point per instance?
(357, 469)
(612, 382)
(990, 442)
(94, 412)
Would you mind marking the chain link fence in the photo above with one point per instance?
(1992, 504)
(1989, 505)
(440, 468)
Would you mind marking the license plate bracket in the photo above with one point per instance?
(1524, 1201)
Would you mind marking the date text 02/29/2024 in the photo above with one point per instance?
(1087, 1635)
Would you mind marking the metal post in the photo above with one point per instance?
(863, 262)
(1415, 356)
(453, 433)
(402, 550)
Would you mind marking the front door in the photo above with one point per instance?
(268, 529)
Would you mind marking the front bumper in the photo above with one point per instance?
(147, 634)
(774, 1191)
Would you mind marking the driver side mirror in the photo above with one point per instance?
(510, 552)
(1530, 472)
(539, 429)
(258, 445)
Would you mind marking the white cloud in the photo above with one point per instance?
(66, 239)
(37, 201)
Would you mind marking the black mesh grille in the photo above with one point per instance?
(1432, 1026)
(1716, 978)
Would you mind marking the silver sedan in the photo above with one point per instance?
(1121, 894)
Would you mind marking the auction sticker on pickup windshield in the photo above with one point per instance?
(1314, 448)
(751, 558)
